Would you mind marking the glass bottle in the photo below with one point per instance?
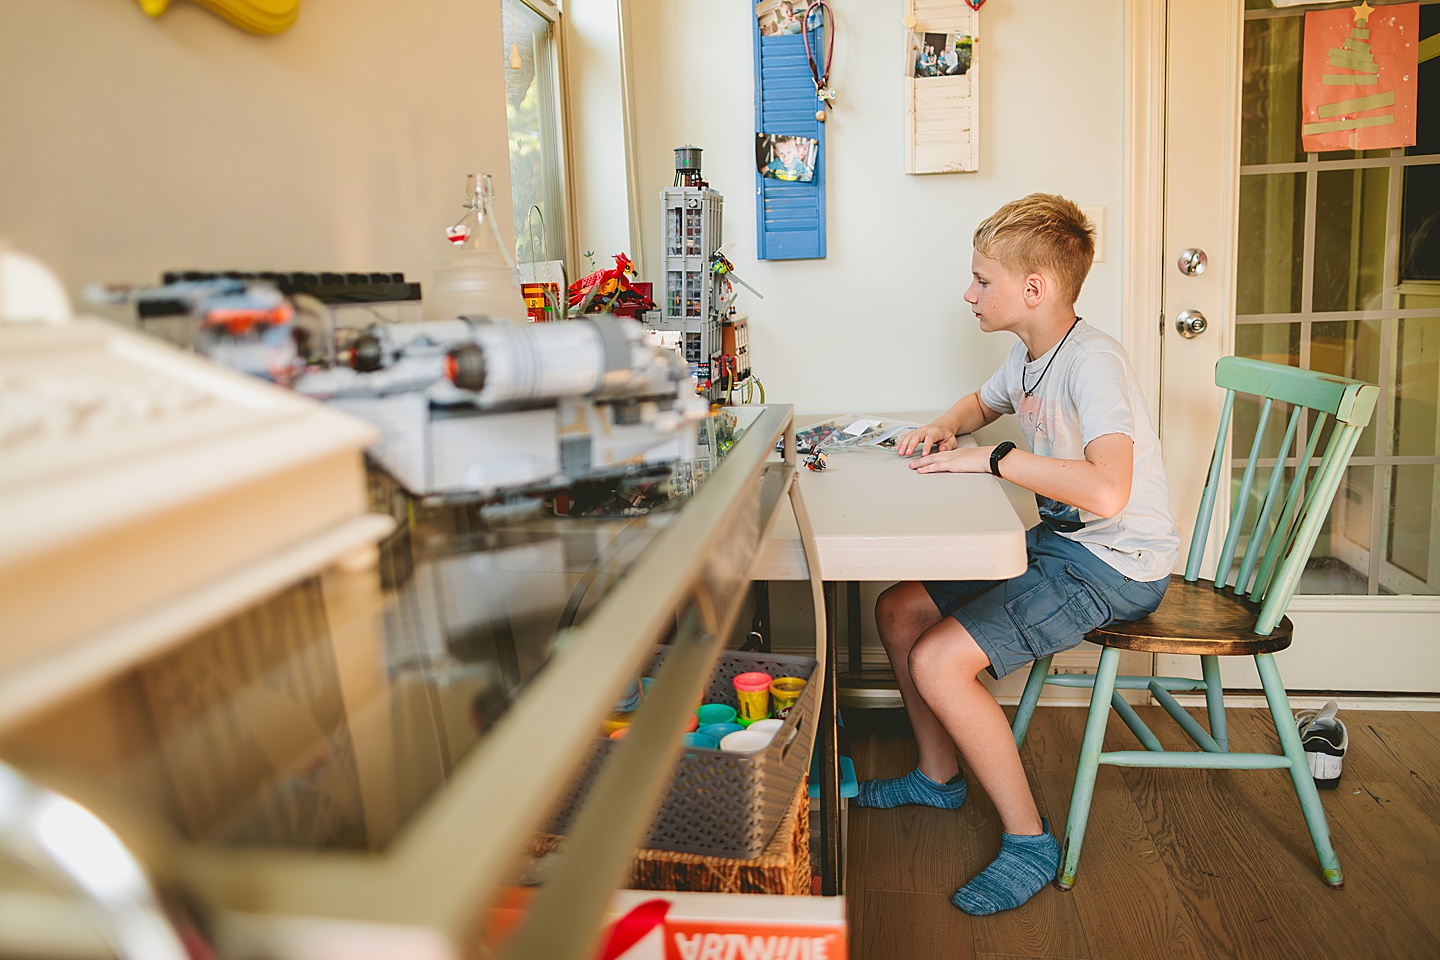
(477, 276)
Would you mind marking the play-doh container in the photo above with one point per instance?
(752, 692)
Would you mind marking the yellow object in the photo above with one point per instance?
(753, 705)
(784, 693)
(257, 16)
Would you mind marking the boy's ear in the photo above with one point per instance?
(1037, 287)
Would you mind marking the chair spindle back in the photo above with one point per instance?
(1287, 524)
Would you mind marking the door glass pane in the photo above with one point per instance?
(1277, 343)
(1349, 348)
(1350, 238)
(1420, 222)
(1427, 133)
(1412, 544)
(1273, 342)
(1270, 104)
(1253, 504)
(1341, 559)
(1417, 388)
(1330, 155)
(1272, 243)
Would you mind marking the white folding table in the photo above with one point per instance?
(876, 519)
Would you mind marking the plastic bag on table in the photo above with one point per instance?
(850, 431)
(864, 431)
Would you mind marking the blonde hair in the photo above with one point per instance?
(1041, 233)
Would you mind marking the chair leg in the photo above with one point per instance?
(1088, 766)
(1034, 684)
(1215, 701)
(1299, 770)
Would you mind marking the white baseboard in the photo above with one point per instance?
(1072, 696)
(1346, 701)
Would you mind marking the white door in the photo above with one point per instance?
(1320, 260)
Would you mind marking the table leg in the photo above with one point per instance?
(854, 661)
(759, 638)
(832, 883)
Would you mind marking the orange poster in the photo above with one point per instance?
(1360, 75)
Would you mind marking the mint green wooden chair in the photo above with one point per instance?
(1244, 615)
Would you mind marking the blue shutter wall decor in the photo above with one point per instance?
(789, 214)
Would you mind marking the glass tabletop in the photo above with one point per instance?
(326, 716)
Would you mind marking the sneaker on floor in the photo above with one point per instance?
(1325, 740)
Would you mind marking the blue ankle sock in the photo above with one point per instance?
(914, 787)
(1023, 866)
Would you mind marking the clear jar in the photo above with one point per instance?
(476, 277)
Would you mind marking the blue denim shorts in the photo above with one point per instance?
(1065, 593)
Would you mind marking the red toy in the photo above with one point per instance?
(607, 289)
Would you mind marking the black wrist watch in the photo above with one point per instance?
(998, 454)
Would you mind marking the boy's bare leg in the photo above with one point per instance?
(944, 663)
(902, 615)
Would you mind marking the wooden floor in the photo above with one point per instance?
(1176, 863)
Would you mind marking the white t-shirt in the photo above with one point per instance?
(1088, 391)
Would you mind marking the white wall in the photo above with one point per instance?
(130, 145)
(880, 324)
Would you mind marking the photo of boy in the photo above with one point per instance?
(780, 17)
(789, 22)
(785, 157)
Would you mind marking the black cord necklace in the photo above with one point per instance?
(1030, 391)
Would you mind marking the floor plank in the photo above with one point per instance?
(908, 926)
(1392, 887)
(1154, 920)
(1220, 865)
(919, 849)
(1412, 744)
(1176, 862)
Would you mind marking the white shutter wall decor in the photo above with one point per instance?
(942, 116)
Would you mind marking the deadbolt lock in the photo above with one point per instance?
(1192, 261)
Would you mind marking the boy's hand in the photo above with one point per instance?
(968, 460)
(925, 439)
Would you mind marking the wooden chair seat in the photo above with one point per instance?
(1196, 618)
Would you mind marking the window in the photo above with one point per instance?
(532, 109)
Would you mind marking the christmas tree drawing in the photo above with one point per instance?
(1352, 65)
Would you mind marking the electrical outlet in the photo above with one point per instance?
(1096, 215)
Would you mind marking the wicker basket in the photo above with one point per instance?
(725, 804)
(783, 867)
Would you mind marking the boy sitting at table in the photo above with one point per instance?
(1103, 550)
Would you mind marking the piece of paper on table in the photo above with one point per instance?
(859, 427)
